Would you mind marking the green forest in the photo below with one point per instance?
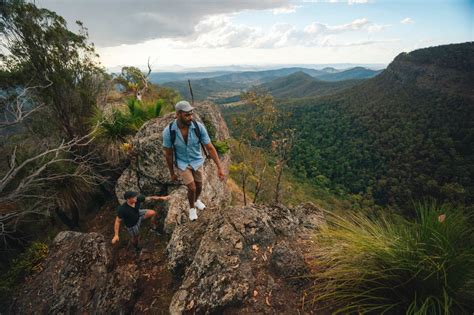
(394, 139)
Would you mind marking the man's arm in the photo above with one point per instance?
(116, 230)
(215, 157)
(169, 162)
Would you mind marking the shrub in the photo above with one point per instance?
(222, 147)
(391, 264)
(20, 267)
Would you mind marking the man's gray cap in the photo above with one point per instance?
(183, 106)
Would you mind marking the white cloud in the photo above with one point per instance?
(407, 20)
(357, 1)
(350, 2)
(112, 22)
(220, 32)
(286, 10)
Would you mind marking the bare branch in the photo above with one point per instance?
(16, 112)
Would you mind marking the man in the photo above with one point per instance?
(132, 215)
(182, 141)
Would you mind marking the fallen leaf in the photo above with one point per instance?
(267, 300)
(441, 218)
(190, 305)
(255, 247)
(264, 257)
(255, 293)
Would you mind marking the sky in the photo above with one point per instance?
(203, 33)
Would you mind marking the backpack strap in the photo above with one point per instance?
(197, 131)
(173, 139)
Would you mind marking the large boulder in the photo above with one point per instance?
(223, 258)
(75, 280)
(150, 174)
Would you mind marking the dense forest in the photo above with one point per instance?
(403, 136)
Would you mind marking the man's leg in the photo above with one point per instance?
(151, 214)
(198, 178)
(192, 190)
(188, 180)
(198, 190)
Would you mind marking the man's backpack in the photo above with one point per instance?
(197, 131)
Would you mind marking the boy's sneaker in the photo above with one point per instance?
(155, 231)
(193, 214)
(200, 205)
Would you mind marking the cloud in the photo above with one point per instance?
(112, 22)
(286, 10)
(350, 2)
(220, 32)
(407, 20)
(357, 1)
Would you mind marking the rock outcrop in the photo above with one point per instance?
(75, 279)
(150, 175)
(233, 259)
(233, 252)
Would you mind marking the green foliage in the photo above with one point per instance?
(120, 124)
(39, 49)
(131, 78)
(24, 264)
(222, 147)
(390, 264)
(114, 128)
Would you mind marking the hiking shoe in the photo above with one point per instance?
(200, 205)
(155, 231)
(193, 214)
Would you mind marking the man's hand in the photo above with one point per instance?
(220, 174)
(115, 239)
(174, 177)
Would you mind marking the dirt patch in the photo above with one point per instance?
(156, 283)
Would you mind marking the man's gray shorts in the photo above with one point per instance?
(135, 230)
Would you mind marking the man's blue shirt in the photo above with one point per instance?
(189, 154)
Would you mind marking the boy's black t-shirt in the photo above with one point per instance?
(129, 214)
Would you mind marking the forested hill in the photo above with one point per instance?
(300, 84)
(404, 135)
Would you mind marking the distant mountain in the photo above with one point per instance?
(350, 74)
(330, 70)
(300, 84)
(204, 88)
(402, 136)
(162, 77)
(240, 81)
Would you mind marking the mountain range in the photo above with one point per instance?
(236, 82)
(399, 137)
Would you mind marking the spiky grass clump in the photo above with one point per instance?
(393, 265)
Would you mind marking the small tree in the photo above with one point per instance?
(134, 80)
(255, 126)
(282, 146)
(37, 47)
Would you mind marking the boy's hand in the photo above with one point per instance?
(161, 198)
(115, 239)
(164, 198)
